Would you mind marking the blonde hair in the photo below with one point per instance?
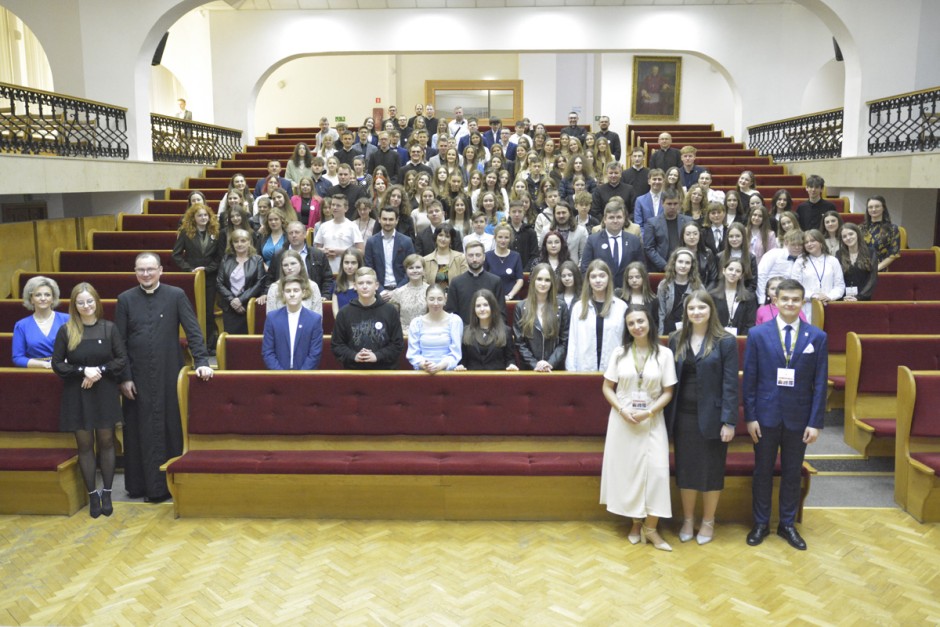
(74, 327)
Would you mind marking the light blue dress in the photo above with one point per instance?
(435, 342)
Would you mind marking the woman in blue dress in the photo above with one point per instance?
(34, 336)
(434, 338)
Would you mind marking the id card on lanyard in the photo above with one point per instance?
(786, 377)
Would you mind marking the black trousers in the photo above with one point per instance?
(792, 448)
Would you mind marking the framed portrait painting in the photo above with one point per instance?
(656, 85)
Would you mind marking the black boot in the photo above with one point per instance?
(94, 506)
(106, 507)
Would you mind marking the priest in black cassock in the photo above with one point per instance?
(149, 317)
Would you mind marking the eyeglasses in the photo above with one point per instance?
(146, 270)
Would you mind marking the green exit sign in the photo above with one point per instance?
(340, 118)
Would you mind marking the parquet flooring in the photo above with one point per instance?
(142, 567)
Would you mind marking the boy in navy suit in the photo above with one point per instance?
(785, 371)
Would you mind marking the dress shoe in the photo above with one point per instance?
(634, 538)
(652, 536)
(709, 526)
(94, 504)
(757, 534)
(687, 532)
(158, 499)
(107, 508)
(792, 536)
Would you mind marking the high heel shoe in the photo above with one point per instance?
(651, 535)
(687, 532)
(94, 504)
(634, 538)
(107, 508)
(710, 524)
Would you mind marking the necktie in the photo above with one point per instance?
(616, 253)
(717, 237)
(788, 338)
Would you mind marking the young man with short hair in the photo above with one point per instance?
(315, 260)
(367, 333)
(615, 186)
(784, 391)
(386, 252)
(293, 335)
(524, 241)
(810, 212)
(649, 205)
(462, 288)
(384, 156)
(335, 236)
(613, 139)
(637, 175)
(663, 234)
(715, 232)
(274, 169)
(689, 172)
(347, 186)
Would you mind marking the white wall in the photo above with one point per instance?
(826, 89)
(188, 57)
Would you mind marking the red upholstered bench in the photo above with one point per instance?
(105, 260)
(131, 240)
(870, 318)
(243, 352)
(871, 385)
(907, 286)
(918, 260)
(403, 445)
(39, 471)
(917, 458)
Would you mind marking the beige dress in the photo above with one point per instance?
(635, 471)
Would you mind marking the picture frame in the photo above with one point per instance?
(657, 85)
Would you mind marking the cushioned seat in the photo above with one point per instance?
(931, 460)
(884, 427)
(20, 459)
(389, 463)
(838, 381)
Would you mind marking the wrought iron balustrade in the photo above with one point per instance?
(908, 122)
(185, 141)
(815, 136)
(37, 122)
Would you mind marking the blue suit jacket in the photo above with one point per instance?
(643, 210)
(598, 247)
(375, 257)
(769, 404)
(308, 341)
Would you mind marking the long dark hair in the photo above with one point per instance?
(715, 330)
(864, 261)
(497, 334)
(651, 336)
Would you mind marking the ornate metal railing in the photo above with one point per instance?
(907, 122)
(185, 141)
(815, 136)
(40, 122)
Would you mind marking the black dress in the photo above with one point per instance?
(98, 407)
(702, 465)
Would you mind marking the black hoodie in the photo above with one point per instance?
(376, 327)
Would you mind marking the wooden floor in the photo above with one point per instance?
(142, 567)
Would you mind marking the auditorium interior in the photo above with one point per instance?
(406, 499)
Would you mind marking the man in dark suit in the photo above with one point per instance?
(667, 156)
(612, 245)
(462, 288)
(386, 252)
(784, 388)
(491, 136)
(427, 239)
(416, 163)
(315, 260)
(615, 186)
(662, 235)
(714, 232)
(613, 139)
(637, 175)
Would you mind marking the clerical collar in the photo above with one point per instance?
(151, 291)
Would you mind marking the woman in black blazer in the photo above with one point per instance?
(703, 411)
(241, 278)
(199, 246)
(487, 341)
(540, 325)
(735, 305)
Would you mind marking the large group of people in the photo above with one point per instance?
(448, 220)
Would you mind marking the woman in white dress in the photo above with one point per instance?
(638, 384)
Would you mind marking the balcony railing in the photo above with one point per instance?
(185, 141)
(907, 122)
(36, 122)
(815, 136)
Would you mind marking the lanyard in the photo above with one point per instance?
(640, 367)
(819, 275)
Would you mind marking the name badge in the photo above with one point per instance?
(731, 330)
(851, 291)
(786, 377)
(639, 401)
